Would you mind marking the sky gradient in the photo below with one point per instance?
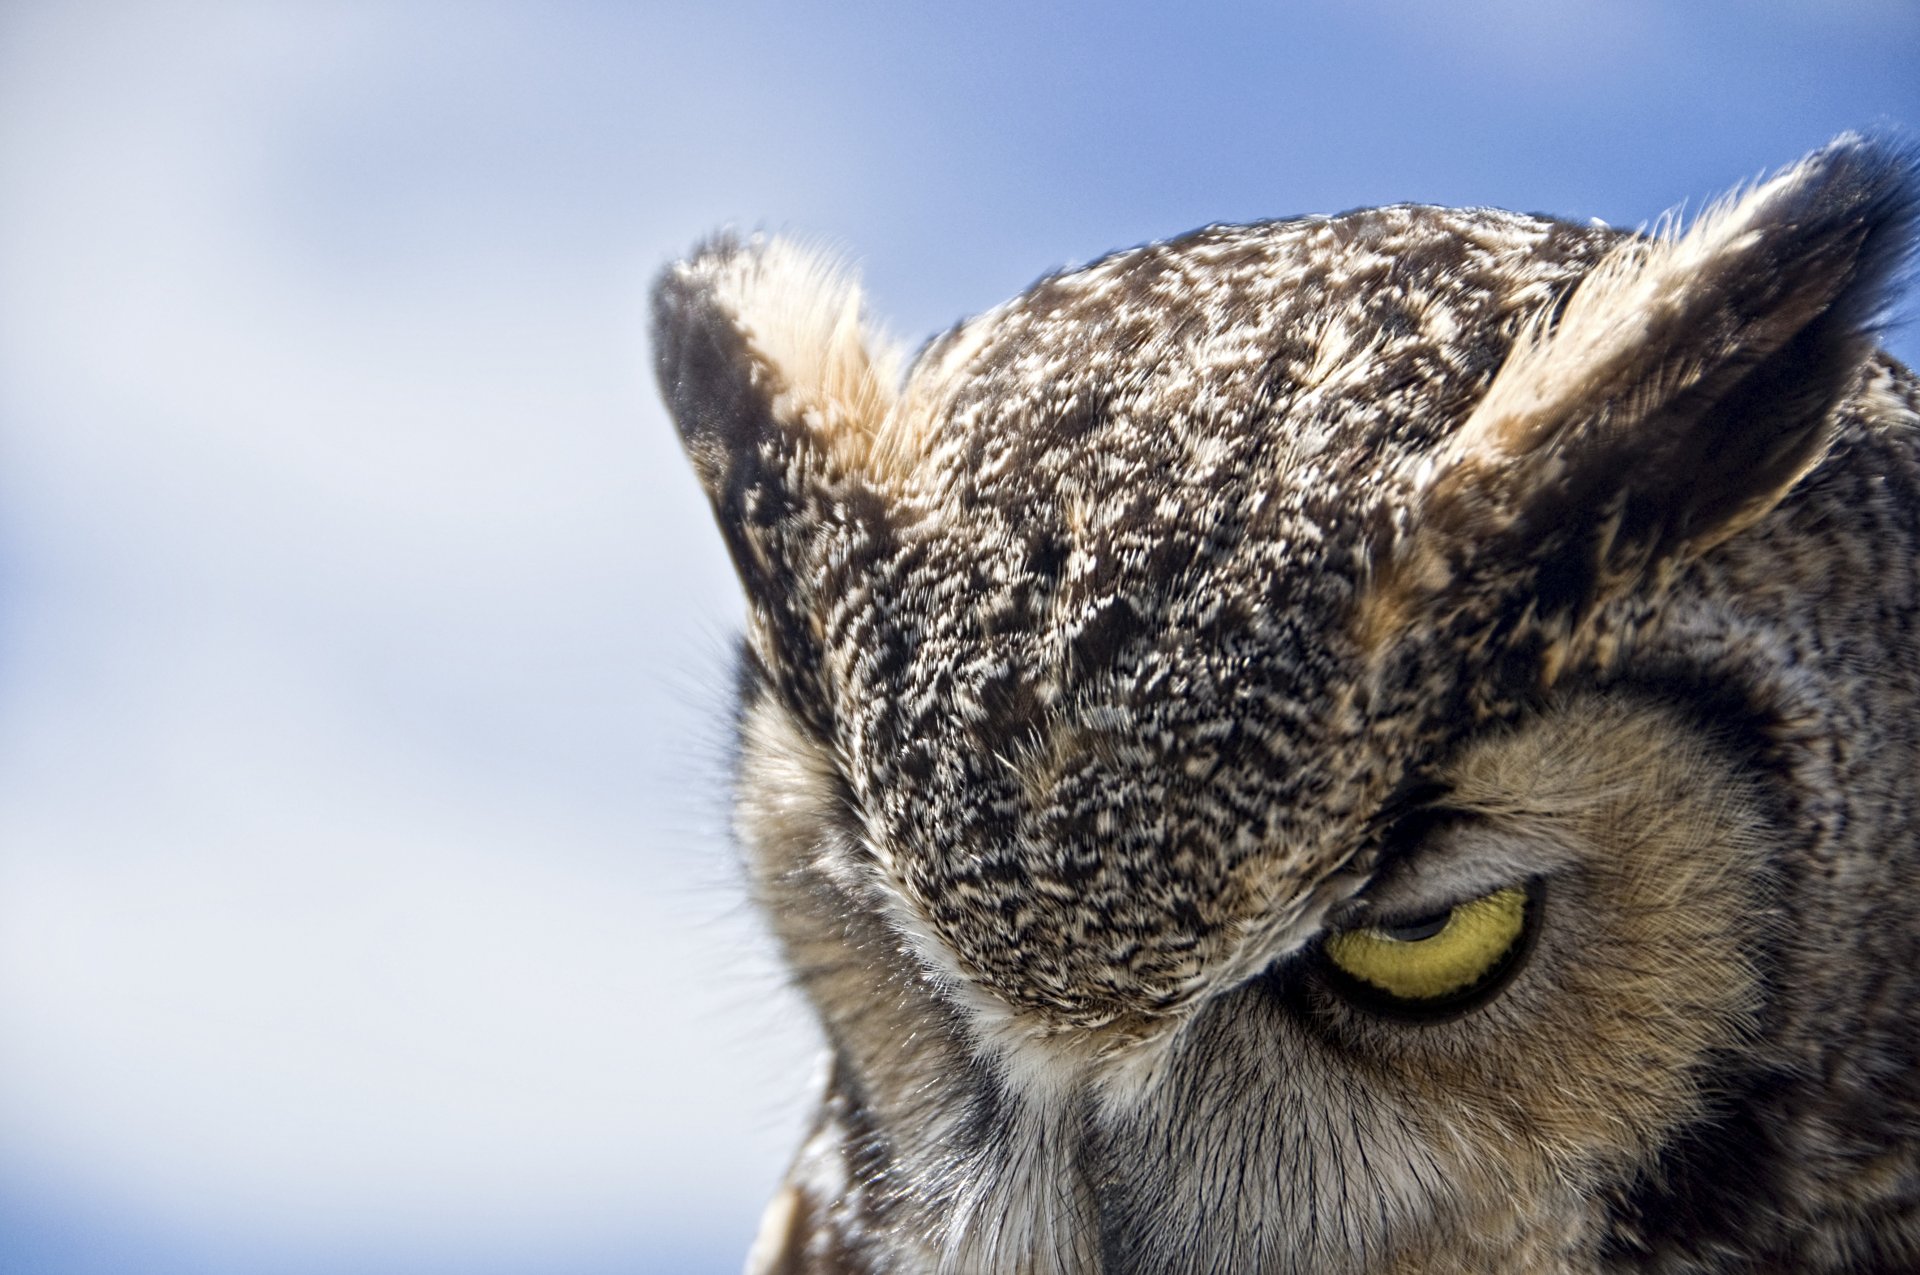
(364, 897)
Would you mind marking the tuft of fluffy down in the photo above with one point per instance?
(801, 317)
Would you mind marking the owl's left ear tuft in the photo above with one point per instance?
(1679, 393)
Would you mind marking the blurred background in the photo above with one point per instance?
(365, 902)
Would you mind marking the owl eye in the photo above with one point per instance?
(1434, 965)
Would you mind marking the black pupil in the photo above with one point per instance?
(1424, 927)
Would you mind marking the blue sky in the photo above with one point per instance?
(364, 899)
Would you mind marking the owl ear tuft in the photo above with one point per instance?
(765, 337)
(780, 395)
(1682, 389)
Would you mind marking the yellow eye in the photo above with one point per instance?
(1438, 963)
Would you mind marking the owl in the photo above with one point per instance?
(1377, 743)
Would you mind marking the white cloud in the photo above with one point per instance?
(357, 879)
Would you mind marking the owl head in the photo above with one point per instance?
(1382, 742)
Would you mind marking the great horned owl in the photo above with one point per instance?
(1375, 743)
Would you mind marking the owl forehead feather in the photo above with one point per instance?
(1127, 614)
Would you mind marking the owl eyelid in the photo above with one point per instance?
(1456, 857)
(1413, 931)
(1429, 914)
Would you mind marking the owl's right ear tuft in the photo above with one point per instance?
(781, 397)
(762, 344)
